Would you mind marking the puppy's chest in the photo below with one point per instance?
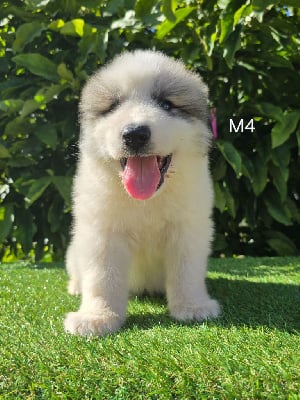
(148, 237)
(146, 227)
(143, 221)
(147, 269)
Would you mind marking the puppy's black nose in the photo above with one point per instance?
(135, 137)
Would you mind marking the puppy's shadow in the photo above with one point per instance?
(256, 304)
(151, 312)
(244, 303)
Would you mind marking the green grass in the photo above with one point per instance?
(251, 352)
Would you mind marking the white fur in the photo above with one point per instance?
(123, 245)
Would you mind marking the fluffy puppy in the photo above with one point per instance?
(142, 196)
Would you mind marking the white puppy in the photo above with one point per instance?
(142, 193)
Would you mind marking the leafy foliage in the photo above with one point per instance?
(247, 52)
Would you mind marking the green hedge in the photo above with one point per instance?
(247, 52)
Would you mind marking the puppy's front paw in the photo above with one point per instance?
(90, 324)
(206, 310)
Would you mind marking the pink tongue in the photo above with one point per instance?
(141, 176)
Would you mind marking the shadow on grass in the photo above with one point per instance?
(244, 303)
(252, 266)
(31, 265)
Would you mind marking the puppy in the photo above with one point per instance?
(142, 196)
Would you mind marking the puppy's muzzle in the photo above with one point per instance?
(135, 137)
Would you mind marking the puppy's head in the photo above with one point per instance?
(142, 113)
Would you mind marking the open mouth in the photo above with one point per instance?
(142, 176)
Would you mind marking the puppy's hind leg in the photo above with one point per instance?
(74, 286)
(103, 263)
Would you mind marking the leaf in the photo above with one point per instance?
(230, 202)
(29, 106)
(281, 156)
(282, 248)
(219, 169)
(262, 4)
(47, 134)
(280, 178)
(298, 140)
(114, 7)
(292, 3)
(246, 65)
(73, 28)
(222, 4)
(95, 43)
(143, 7)
(294, 209)
(20, 162)
(226, 22)
(56, 25)
(63, 185)
(36, 4)
(269, 110)
(6, 220)
(260, 176)
(283, 129)
(247, 167)
(287, 244)
(243, 11)
(64, 72)
(220, 200)
(17, 126)
(277, 209)
(38, 65)
(11, 86)
(232, 45)
(37, 189)
(26, 33)
(10, 106)
(168, 9)
(48, 93)
(231, 155)
(166, 26)
(278, 61)
(42, 97)
(126, 21)
(26, 228)
(282, 244)
(54, 215)
(4, 153)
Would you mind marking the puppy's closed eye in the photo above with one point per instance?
(111, 107)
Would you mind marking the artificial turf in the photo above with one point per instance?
(251, 352)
